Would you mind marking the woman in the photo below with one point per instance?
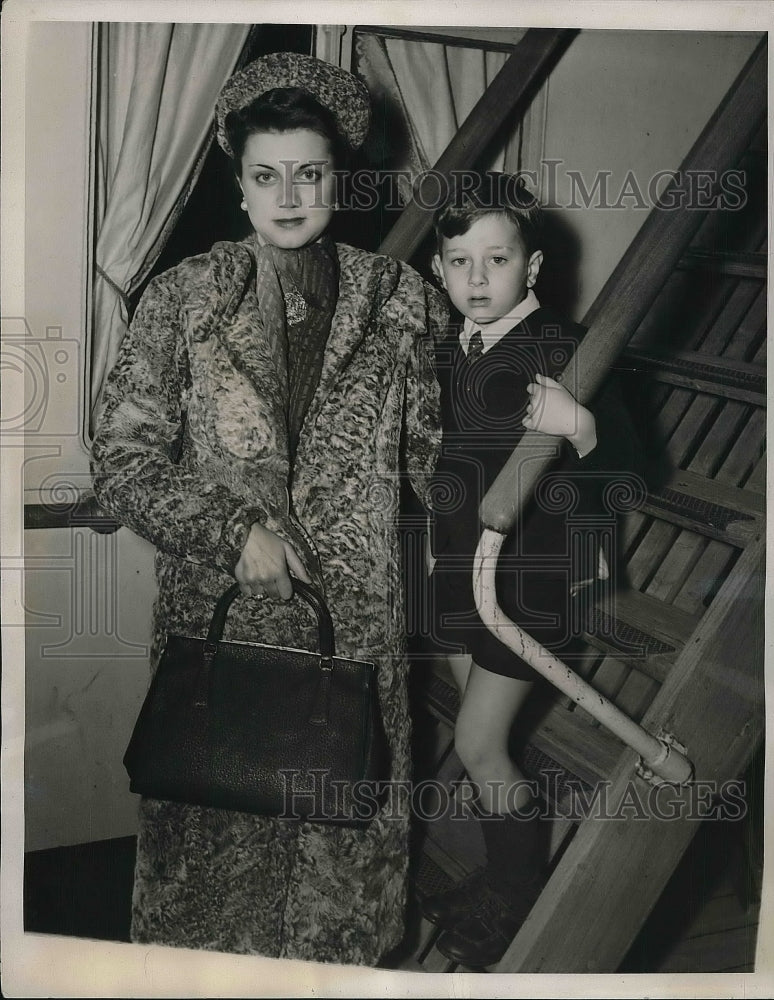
(256, 423)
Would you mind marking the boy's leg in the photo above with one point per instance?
(490, 703)
(508, 809)
(489, 706)
(509, 820)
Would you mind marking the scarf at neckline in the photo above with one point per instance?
(297, 292)
(300, 268)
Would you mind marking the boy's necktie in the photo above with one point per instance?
(475, 346)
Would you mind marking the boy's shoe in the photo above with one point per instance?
(482, 938)
(445, 909)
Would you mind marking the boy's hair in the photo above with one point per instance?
(474, 196)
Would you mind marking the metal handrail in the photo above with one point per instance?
(660, 755)
(612, 319)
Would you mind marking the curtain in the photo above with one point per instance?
(157, 85)
(433, 87)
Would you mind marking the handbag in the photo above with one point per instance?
(262, 729)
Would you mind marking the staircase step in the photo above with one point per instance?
(557, 747)
(562, 738)
(708, 507)
(736, 265)
(637, 629)
(708, 373)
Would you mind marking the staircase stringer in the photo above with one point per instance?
(614, 871)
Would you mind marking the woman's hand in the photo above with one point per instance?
(266, 563)
(554, 410)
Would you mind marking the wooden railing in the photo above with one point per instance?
(641, 273)
(83, 512)
(507, 97)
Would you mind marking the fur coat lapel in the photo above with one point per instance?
(231, 312)
(344, 339)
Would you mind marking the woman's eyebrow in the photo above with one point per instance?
(296, 166)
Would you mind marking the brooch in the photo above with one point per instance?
(295, 307)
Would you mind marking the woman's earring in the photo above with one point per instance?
(243, 206)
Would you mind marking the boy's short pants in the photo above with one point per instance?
(537, 601)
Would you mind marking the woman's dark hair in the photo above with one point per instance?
(284, 109)
(473, 196)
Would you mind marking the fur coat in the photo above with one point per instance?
(191, 450)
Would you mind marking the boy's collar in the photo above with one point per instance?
(493, 332)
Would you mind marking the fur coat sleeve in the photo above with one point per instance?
(140, 470)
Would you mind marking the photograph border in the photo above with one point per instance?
(42, 965)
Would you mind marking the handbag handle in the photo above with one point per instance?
(309, 594)
(319, 711)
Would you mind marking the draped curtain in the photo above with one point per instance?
(434, 87)
(157, 85)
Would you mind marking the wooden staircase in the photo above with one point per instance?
(678, 645)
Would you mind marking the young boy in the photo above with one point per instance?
(498, 377)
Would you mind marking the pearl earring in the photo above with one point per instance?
(243, 206)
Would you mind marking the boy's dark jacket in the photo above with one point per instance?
(483, 405)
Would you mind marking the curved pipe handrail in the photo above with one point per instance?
(656, 753)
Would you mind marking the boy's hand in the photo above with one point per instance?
(553, 409)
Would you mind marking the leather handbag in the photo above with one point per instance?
(262, 729)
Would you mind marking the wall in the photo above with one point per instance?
(621, 101)
(87, 597)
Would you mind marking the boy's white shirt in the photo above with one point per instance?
(493, 332)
